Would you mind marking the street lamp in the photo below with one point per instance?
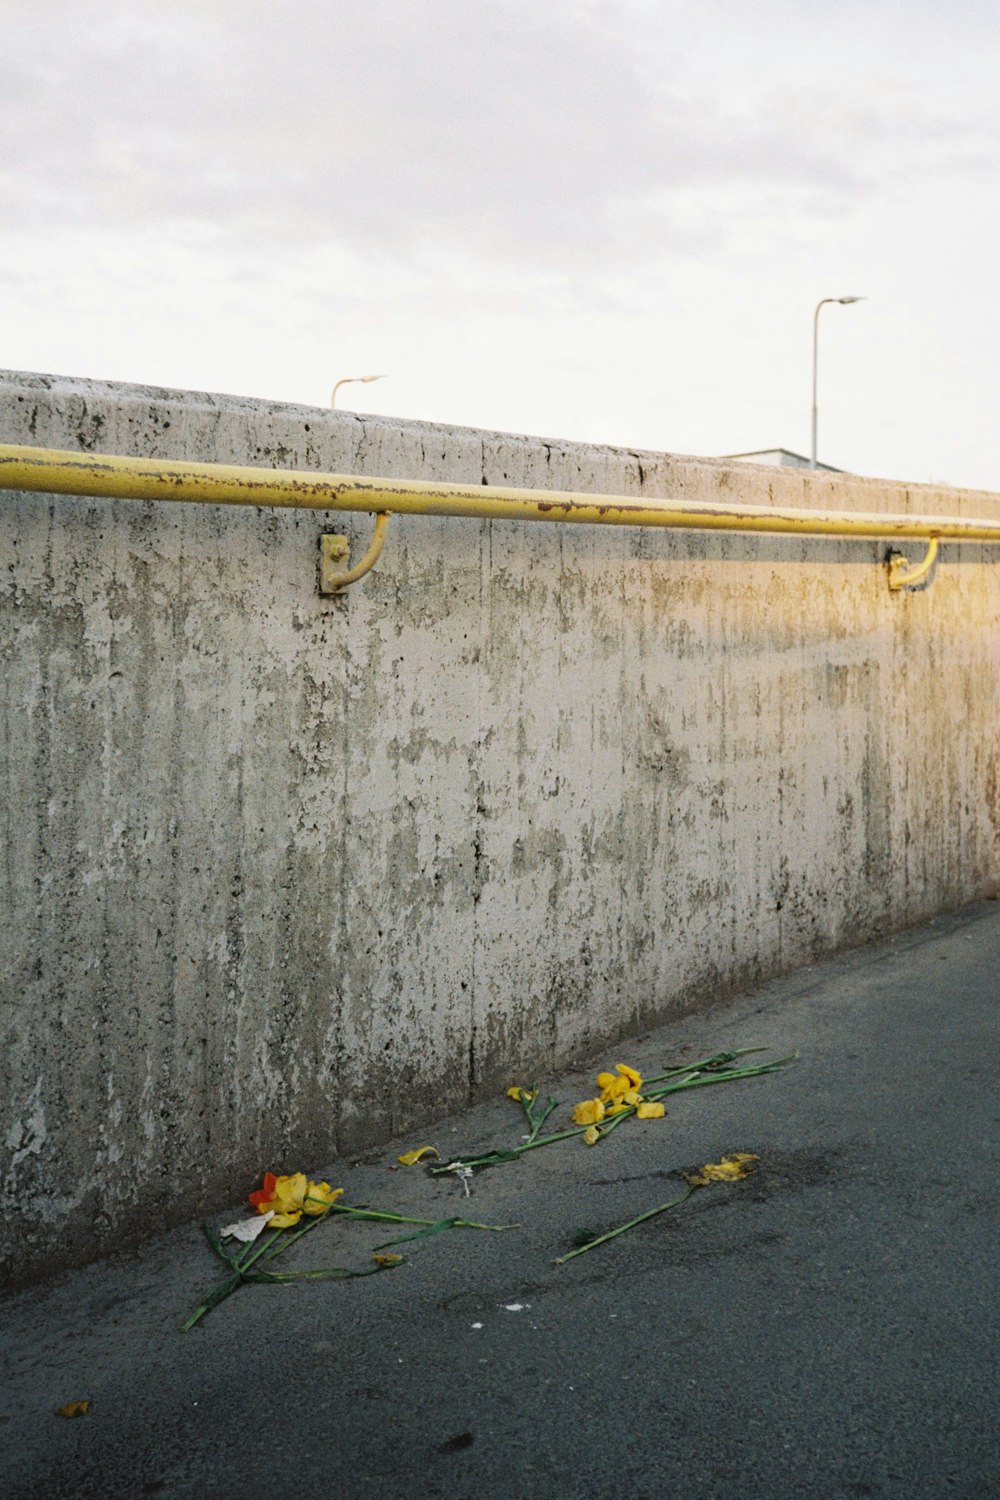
(350, 380)
(812, 462)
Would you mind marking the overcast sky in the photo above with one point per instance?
(594, 219)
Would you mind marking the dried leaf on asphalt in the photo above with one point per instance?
(730, 1169)
(73, 1409)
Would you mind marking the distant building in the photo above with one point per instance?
(783, 456)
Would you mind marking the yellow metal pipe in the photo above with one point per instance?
(54, 471)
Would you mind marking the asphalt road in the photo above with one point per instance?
(827, 1328)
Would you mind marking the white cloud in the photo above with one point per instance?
(601, 218)
(522, 137)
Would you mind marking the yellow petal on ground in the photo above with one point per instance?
(517, 1094)
(385, 1259)
(650, 1109)
(605, 1080)
(410, 1158)
(730, 1169)
(632, 1096)
(591, 1136)
(617, 1109)
(634, 1078)
(286, 1221)
(73, 1409)
(588, 1112)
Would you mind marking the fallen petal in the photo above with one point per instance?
(410, 1158)
(286, 1221)
(730, 1169)
(73, 1409)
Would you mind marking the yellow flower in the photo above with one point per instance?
(410, 1158)
(615, 1088)
(517, 1094)
(589, 1112)
(283, 1197)
(591, 1136)
(730, 1169)
(649, 1109)
(319, 1196)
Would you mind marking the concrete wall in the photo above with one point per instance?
(285, 875)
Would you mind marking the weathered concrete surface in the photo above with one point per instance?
(826, 1330)
(285, 875)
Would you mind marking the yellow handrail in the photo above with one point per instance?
(55, 471)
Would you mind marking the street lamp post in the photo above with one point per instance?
(351, 380)
(812, 461)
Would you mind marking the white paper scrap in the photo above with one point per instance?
(247, 1230)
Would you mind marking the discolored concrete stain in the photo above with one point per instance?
(284, 875)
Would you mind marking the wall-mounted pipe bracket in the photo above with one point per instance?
(334, 551)
(902, 576)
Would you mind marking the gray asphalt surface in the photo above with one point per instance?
(827, 1328)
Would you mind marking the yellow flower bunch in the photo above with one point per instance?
(619, 1091)
(281, 1203)
(286, 1199)
(614, 1086)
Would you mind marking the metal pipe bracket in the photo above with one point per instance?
(335, 550)
(902, 576)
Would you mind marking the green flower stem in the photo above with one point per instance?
(370, 1213)
(241, 1264)
(536, 1125)
(702, 1080)
(492, 1158)
(613, 1233)
(280, 1241)
(222, 1291)
(703, 1062)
